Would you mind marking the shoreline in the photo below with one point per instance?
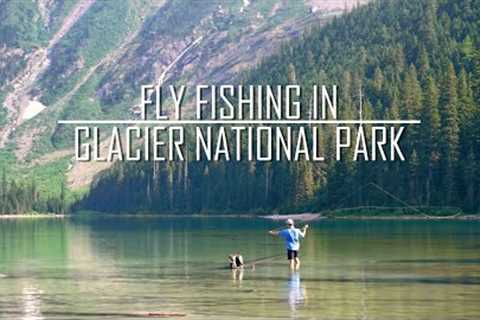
(408, 217)
(33, 216)
(473, 217)
(281, 217)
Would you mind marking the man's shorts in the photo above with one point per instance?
(292, 254)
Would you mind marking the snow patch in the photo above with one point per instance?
(34, 108)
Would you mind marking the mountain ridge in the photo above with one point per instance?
(412, 60)
(79, 80)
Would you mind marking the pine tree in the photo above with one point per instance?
(450, 133)
(431, 130)
(465, 97)
(394, 108)
(412, 104)
(423, 63)
(377, 82)
(470, 180)
(413, 176)
(468, 113)
(427, 28)
(63, 203)
(412, 94)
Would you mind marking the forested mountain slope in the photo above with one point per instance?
(412, 60)
(86, 59)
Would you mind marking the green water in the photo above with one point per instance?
(110, 268)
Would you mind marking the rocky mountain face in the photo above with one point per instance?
(86, 59)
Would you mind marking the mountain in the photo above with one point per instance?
(411, 60)
(72, 59)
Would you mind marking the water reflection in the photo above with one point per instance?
(364, 297)
(362, 270)
(297, 293)
(31, 303)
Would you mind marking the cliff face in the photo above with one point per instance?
(87, 59)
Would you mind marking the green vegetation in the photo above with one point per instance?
(24, 198)
(177, 18)
(3, 111)
(10, 66)
(41, 189)
(83, 104)
(21, 25)
(412, 59)
(24, 29)
(60, 9)
(98, 32)
(7, 162)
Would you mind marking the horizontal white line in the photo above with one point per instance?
(245, 122)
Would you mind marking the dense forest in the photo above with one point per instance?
(19, 198)
(411, 59)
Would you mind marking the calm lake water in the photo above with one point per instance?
(109, 268)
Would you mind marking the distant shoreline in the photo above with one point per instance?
(33, 216)
(373, 217)
(281, 217)
(408, 217)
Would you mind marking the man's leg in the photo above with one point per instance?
(297, 263)
(297, 259)
(291, 259)
(292, 264)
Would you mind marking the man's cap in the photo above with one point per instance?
(290, 222)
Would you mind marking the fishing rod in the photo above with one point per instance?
(284, 227)
(265, 259)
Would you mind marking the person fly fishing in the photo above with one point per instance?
(292, 236)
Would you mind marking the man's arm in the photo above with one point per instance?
(303, 233)
(273, 233)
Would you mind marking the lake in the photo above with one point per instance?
(111, 268)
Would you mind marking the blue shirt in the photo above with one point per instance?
(291, 237)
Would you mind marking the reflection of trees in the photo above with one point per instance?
(30, 246)
(351, 273)
(87, 257)
(39, 239)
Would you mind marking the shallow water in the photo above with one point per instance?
(110, 268)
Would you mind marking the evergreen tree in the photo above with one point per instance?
(449, 135)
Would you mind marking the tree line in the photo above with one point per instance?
(19, 197)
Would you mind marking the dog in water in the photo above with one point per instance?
(235, 261)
